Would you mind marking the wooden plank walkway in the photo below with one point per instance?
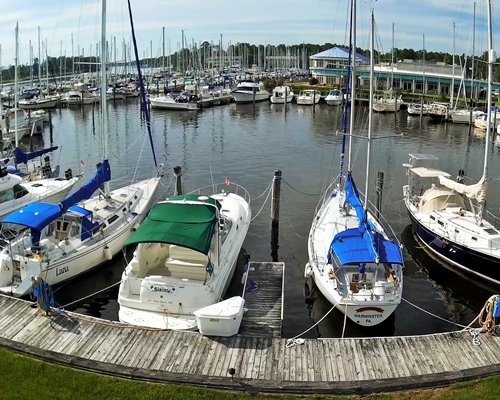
(263, 300)
(262, 364)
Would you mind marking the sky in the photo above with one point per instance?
(69, 27)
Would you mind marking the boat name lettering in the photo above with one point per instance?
(63, 270)
(160, 289)
(367, 316)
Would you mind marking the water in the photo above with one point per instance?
(246, 144)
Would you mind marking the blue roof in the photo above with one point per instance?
(356, 245)
(338, 52)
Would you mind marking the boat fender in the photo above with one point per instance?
(308, 271)
(107, 253)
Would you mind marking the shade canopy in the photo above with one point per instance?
(186, 220)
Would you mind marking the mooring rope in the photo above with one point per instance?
(299, 191)
(295, 340)
(92, 294)
(263, 204)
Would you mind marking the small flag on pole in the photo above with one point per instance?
(227, 181)
(82, 163)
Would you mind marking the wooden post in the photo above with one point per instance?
(178, 180)
(380, 187)
(51, 129)
(275, 214)
(286, 97)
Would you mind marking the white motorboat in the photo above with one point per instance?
(186, 255)
(417, 109)
(182, 101)
(308, 97)
(16, 193)
(387, 103)
(354, 260)
(334, 97)
(80, 95)
(462, 116)
(282, 95)
(39, 103)
(249, 92)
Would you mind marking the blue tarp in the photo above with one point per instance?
(20, 157)
(355, 246)
(102, 175)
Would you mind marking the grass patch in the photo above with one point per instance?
(24, 378)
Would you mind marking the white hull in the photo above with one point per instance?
(169, 103)
(73, 257)
(37, 104)
(365, 304)
(278, 95)
(333, 101)
(47, 190)
(167, 300)
(248, 97)
(308, 97)
(464, 116)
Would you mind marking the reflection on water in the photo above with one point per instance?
(247, 143)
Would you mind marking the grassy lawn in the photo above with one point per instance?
(25, 378)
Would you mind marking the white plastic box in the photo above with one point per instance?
(221, 319)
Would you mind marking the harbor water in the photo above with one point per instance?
(246, 144)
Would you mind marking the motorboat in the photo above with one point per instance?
(308, 97)
(187, 249)
(249, 92)
(334, 97)
(417, 109)
(282, 95)
(183, 101)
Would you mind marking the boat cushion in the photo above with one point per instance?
(186, 270)
(183, 253)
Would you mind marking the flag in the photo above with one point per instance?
(82, 163)
(227, 181)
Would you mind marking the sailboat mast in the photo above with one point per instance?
(353, 84)
(104, 85)
(370, 112)
(491, 61)
(16, 89)
(453, 70)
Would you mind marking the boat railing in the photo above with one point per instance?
(493, 219)
(224, 187)
(382, 221)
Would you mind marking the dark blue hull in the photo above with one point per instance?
(465, 260)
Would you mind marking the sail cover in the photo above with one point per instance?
(20, 157)
(102, 175)
(185, 220)
(352, 197)
(476, 191)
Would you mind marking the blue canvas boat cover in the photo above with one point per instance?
(355, 246)
(20, 157)
(35, 215)
(352, 197)
(102, 175)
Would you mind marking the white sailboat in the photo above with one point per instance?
(351, 258)
(186, 256)
(60, 241)
(450, 217)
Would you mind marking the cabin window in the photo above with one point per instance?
(474, 238)
(20, 191)
(432, 217)
(440, 223)
(491, 231)
(6, 195)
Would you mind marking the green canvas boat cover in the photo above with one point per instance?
(181, 223)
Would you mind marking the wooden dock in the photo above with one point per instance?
(262, 363)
